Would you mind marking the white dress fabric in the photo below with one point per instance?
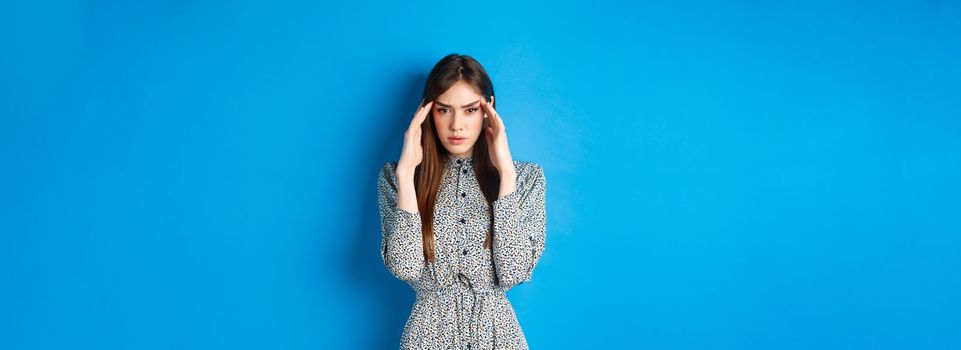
(460, 297)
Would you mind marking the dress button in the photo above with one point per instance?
(459, 161)
(468, 345)
(463, 194)
(465, 171)
(463, 221)
(465, 251)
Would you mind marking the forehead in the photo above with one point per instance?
(459, 93)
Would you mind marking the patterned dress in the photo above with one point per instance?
(461, 301)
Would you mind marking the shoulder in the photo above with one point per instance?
(529, 172)
(388, 173)
(526, 166)
(389, 167)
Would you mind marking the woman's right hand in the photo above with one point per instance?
(413, 153)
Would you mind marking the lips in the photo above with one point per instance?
(456, 140)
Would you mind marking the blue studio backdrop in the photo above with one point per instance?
(720, 175)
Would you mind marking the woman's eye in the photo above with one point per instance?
(442, 110)
(471, 110)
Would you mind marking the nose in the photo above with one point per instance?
(456, 123)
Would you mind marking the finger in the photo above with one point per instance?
(484, 111)
(487, 111)
(495, 118)
(494, 111)
(422, 112)
(490, 112)
(427, 109)
(420, 108)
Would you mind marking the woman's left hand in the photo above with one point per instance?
(496, 136)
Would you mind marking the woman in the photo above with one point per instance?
(461, 221)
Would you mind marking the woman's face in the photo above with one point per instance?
(459, 119)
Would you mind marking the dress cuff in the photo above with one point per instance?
(406, 219)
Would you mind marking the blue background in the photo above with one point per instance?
(721, 175)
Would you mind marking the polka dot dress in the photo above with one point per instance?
(461, 301)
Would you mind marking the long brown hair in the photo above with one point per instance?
(427, 177)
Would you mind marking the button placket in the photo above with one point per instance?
(461, 181)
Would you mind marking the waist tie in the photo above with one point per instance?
(463, 281)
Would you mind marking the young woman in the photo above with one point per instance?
(461, 220)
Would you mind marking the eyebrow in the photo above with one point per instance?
(464, 106)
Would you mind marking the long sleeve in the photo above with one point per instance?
(520, 227)
(402, 246)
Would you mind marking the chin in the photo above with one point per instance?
(457, 149)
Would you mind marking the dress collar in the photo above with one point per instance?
(451, 158)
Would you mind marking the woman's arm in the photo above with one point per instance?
(402, 247)
(520, 227)
(402, 239)
(406, 195)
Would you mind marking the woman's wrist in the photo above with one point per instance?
(406, 191)
(507, 171)
(405, 172)
(508, 182)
